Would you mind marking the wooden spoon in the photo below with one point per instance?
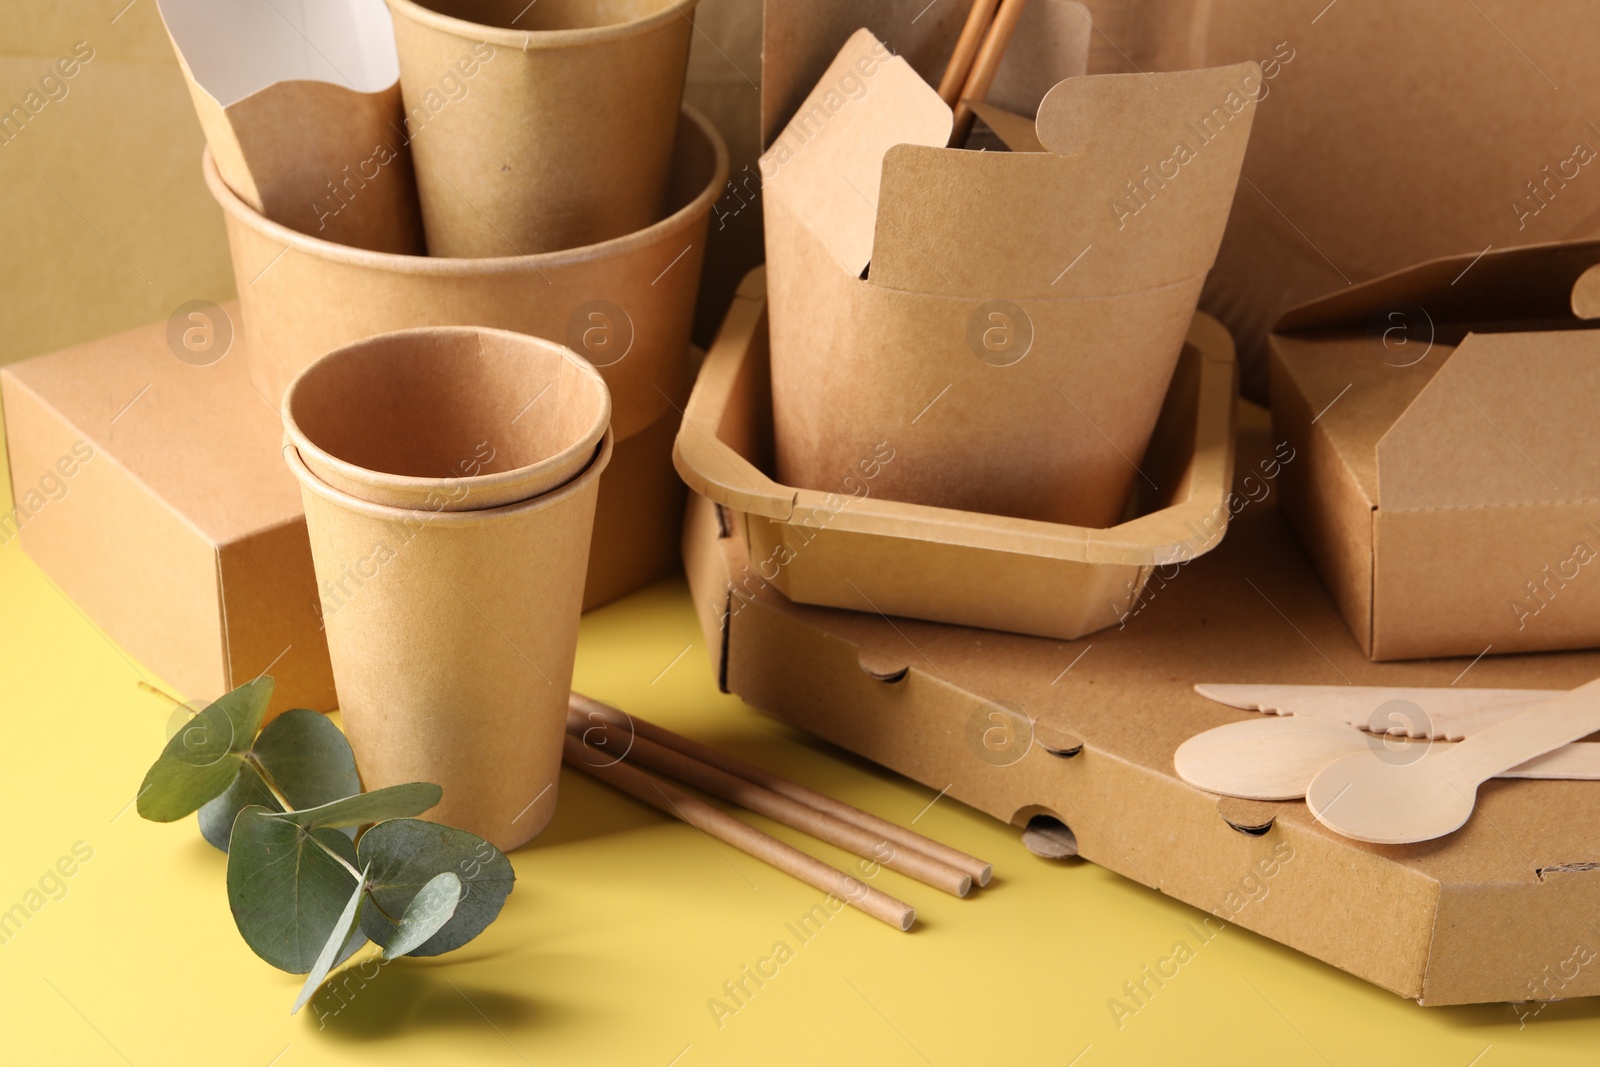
(1393, 803)
(1276, 759)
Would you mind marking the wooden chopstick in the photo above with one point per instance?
(763, 801)
(955, 75)
(716, 823)
(895, 834)
(985, 67)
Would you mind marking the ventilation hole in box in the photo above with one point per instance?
(885, 669)
(1049, 837)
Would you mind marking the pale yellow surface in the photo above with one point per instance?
(623, 924)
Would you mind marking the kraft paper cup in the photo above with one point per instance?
(447, 418)
(452, 636)
(626, 305)
(540, 126)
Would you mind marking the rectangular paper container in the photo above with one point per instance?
(852, 549)
(1451, 494)
(153, 493)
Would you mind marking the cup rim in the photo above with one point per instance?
(530, 40)
(476, 266)
(311, 483)
(588, 444)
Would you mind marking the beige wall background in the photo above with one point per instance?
(105, 222)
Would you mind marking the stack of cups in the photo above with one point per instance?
(449, 476)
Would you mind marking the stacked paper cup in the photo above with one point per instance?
(449, 476)
(562, 134)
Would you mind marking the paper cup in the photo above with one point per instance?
(550, 127)
(452, 636)
(447, 418)
(626, 305)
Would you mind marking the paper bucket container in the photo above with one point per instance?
(452, 636)
(447, 418)
(302, 112)
(626, 305)
(561, 134)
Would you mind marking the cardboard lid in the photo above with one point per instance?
(198, 437)
(1532, 282)
(1493, 409)
(1139, 172)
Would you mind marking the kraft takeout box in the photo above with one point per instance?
(1023, 311)
(627, 304)
(1076, 739)
(1451, 494)
(853, 548)
(302, 111)
(563, 135)
(150, 490)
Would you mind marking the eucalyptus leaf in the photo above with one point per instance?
(392, 802)
(217, 815)
(307, 758)
(338, 946)
(404, 855)
(285, 889)
(202, 760)
(428, 911)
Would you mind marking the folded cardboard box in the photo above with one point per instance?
(852, 548)
(1450, 494)
(150, 488)
(1023, 311)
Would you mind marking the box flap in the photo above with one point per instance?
(827, 164)
(1536, 282)
(1509, 419)
(1136, 183)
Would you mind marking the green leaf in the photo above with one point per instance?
(285, 889)
(202, 759)
(393, 802)
(338, 947)
(217, 815)
(429, 910)
(404, 855)
(307, 758)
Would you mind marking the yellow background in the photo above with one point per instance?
(623, 924)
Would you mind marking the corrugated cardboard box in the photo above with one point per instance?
(152, 491)
(1451, 490)
(1082, 733)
